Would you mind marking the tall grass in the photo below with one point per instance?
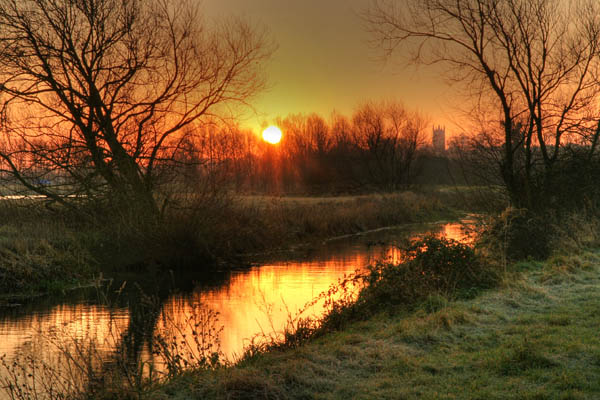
(198, 231)
(192, 231)
(519, 234)
(435, 273)
(434, 270)
(282, 221)
(417, 331)
(433, 267)
(39, 251)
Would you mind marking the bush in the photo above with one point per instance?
(519, 234)
(573, 183)
(577, 230)
(433, 267)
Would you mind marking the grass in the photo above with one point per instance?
(536, 337)
(47, 250)
(282, 221)
(39, 253)
(426, 330)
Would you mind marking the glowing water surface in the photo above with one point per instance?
(248, 301)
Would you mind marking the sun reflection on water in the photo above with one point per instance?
(260, 300)
(253, 301)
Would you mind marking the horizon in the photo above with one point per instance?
(324, 63)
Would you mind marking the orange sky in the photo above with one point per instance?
(324, 62)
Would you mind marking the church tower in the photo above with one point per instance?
(438, 139)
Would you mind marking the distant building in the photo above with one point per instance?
(438, 139)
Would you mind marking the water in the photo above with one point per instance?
(249, 301)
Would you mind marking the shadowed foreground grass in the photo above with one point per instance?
(537, 337)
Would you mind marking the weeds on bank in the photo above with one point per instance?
(198, 229)
(502, 344)
(519, 234)
(434, 270)
(434, 273)
(267, 222)
(37, 252)
(191, 344)
(536, 341)
(39, 243)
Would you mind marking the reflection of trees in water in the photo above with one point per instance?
(153, 324)
(82, 347)
(282, 287)
(63, 351)
(143, 314)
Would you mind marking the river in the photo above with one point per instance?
(224, 315)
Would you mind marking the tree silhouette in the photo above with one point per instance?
(387, 137)
(534, 64)
(95, 94)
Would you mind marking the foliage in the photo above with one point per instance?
(39, 253)
(375, 147)
(187, 349)
(419, 311)
(197, 345)
(42, 245)
(573, 184)
(517, 234)
(534, 339)
(577, 231)
(434, 268)
(24, 263)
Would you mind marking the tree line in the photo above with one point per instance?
(377, 147)
(108, 100)
(530, 73)
(98, 97)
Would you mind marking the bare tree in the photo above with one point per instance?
(306, 149)
(534, 62)
(95, 94)
(387, 137)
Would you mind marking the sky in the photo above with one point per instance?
(324, 62)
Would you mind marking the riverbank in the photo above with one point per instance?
(535, 337)
(48, 251)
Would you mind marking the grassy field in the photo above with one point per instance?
(535, 337)
(453, 322)
(48, 249)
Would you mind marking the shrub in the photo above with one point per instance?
(518, 234)
(577, 230)
(433, 268)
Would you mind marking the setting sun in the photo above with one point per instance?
(272, 134)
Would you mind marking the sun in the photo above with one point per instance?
(272, 134)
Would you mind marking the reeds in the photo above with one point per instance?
(39, 244)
